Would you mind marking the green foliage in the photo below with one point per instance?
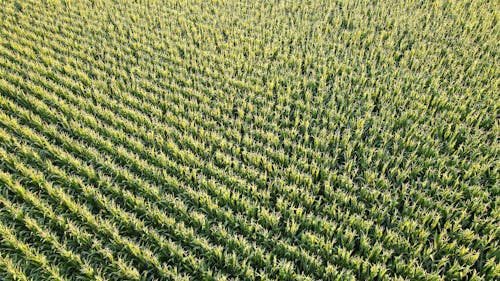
(260, 140)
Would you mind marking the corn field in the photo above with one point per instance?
(249, 140)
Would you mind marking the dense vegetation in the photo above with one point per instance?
(253, 140)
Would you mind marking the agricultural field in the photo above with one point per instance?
(249, 140)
